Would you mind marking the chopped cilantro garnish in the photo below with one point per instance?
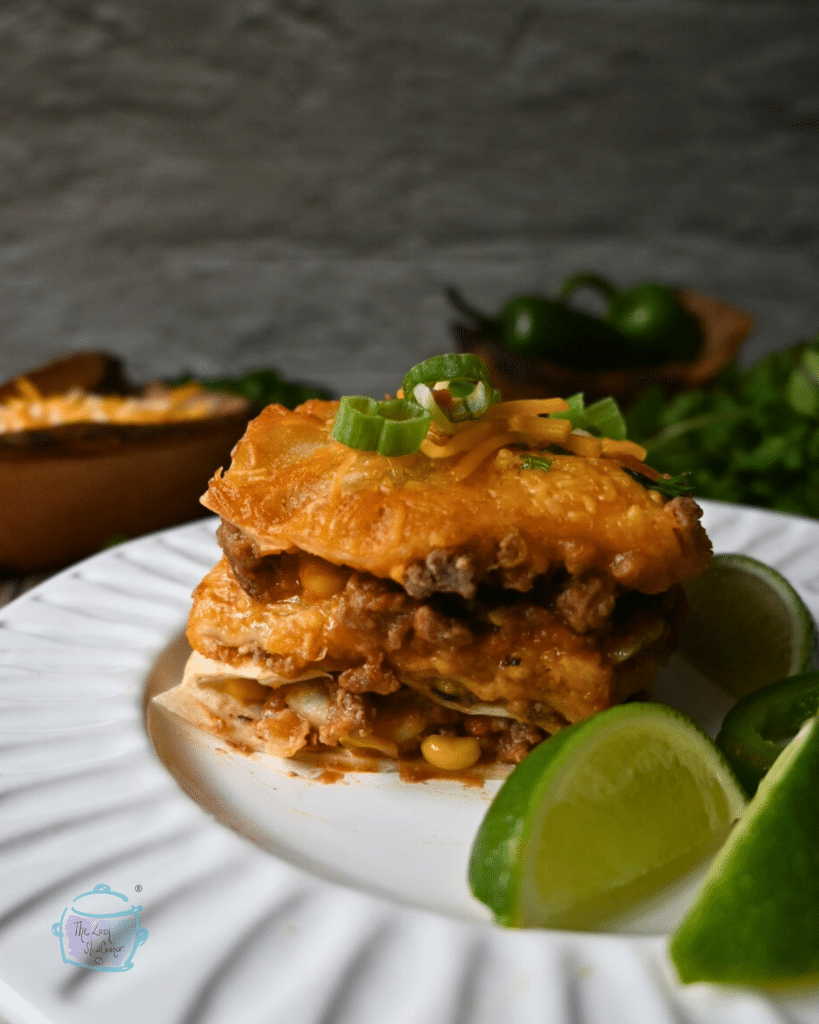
(529, 461)
(672, 487)
(260, 388)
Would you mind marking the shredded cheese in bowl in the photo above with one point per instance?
(31, 410)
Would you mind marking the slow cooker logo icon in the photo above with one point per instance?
(100, 930)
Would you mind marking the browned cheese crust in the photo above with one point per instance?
(291, 487)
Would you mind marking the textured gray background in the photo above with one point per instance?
(213, 185)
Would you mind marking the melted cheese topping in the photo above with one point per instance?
(32, 410)
(290, 485)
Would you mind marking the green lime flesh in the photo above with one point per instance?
(605, 812)
(756, 921)
(747, 626)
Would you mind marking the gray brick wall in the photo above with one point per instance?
(219, 184)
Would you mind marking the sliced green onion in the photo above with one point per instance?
(529, 461)
(357, 423)
(392, 428)
(576, 413)
(463, 376)
(461, 388)
(449, 367)
(405, 427)
(602, 418)
(423, 395)
(479, 399)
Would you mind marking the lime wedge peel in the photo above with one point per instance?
(605, 812)
(747, 626)
(756, 921)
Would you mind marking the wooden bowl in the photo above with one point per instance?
(68, 491)
(96, 372)
(724, 328)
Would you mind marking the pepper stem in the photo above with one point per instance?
(584, 279)
(460, 303)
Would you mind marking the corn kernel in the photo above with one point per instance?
(451, 753)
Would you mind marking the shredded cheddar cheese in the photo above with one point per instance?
(341, 472)
(615, 449)
(550, 431)
(460, 442)
(528, 407)
(33, 410)
(525, 422)
(585, 445)
(473, 459)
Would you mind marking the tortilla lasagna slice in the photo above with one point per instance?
(368, 603)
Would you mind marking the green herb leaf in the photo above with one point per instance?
(529, 461)
(751, 436)
(802, 389)
(260, 388)
(672, 487)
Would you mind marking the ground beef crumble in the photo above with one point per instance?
(379, 640)
(371, 677)
(442, 572)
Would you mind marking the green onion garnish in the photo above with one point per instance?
(392, 428)
(602, 418)
(448, 390)
(452, 388)
(452, 366)
(576, 413)
(671, 487)
(529, 461)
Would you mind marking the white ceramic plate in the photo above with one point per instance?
(361, 916)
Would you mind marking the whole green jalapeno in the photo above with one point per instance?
(533, 325)
(658, 327)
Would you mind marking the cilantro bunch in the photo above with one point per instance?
(264, 387)
(752, 436)
(259, 387)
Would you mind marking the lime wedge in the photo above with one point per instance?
(756, 921)
(607, 811)
(747, 626)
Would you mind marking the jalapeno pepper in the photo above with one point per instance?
(658, 327)
(533, 325)
(759, 726)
